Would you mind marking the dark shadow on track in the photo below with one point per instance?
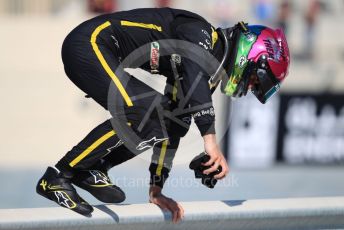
(232, 203)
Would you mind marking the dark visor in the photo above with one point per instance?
(267, 84)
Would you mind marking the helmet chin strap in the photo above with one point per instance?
(242, 88)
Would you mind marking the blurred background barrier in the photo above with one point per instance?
(294, 128)
(301, 213)
(290, 147)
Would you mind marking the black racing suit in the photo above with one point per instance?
(92, 55)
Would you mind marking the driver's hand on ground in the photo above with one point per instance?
(166, 203)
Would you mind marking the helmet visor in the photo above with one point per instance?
(266, 86)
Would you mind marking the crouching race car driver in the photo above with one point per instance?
(250, 58)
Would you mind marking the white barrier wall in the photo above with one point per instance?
(300, 213)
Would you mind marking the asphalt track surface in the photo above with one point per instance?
(18, 186)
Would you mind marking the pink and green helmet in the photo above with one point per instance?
(261, 52)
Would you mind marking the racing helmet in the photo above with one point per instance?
(256, 58)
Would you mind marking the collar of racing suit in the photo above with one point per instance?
(223, 54)
(228, 37)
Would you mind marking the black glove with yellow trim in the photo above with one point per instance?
(197, 165)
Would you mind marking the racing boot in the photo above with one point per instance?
(98, 183)
(54, 186)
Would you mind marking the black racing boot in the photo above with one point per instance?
(59, 189)
(98, 183)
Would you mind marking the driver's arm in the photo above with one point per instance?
(195, 83)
